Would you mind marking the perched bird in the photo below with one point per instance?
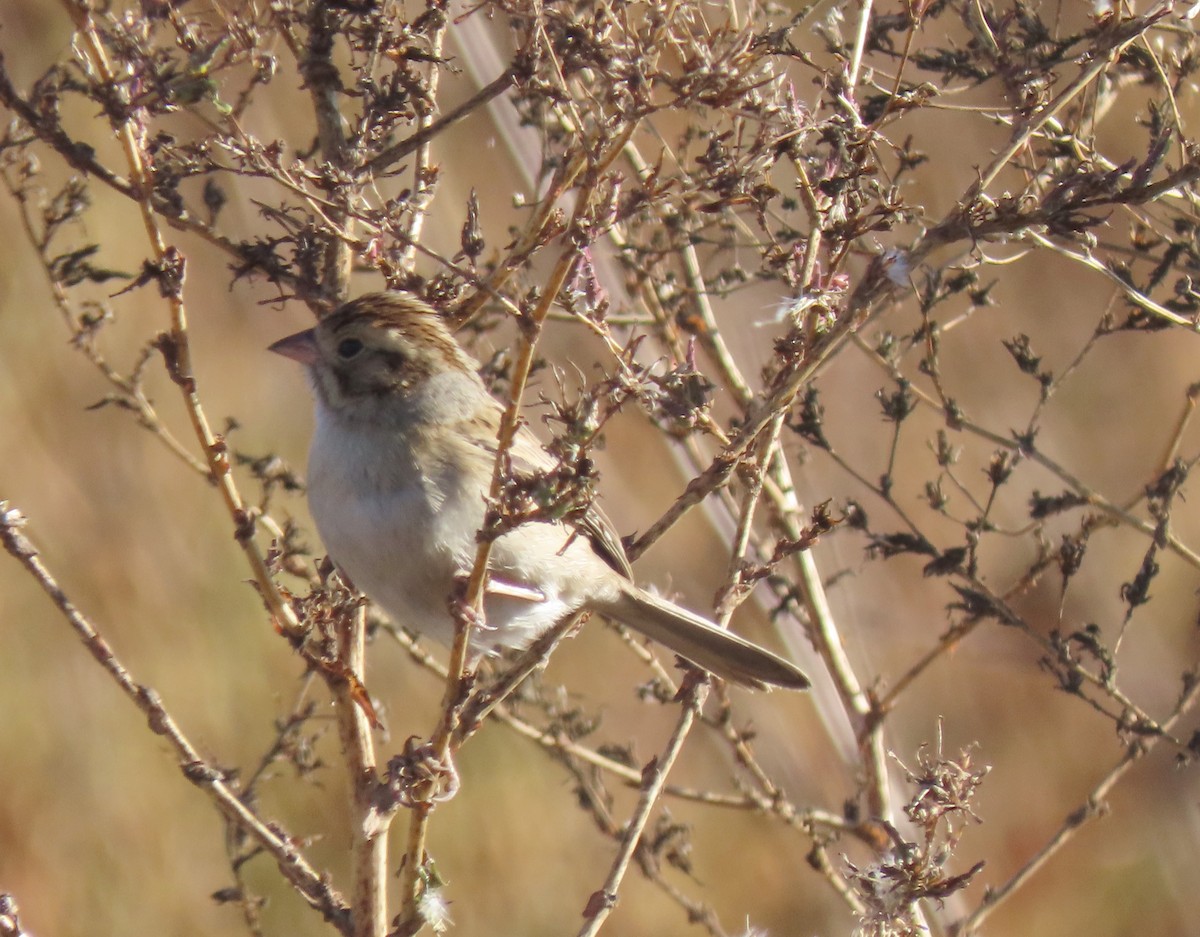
(401, 460)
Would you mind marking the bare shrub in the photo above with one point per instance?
(899, 299)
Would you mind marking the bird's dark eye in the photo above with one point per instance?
(349, 347)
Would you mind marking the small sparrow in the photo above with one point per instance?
(400, 463)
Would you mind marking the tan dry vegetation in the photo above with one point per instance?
(101, 833)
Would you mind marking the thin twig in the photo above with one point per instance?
(1092, 808)
(207, 778)
(393, 154)
(655, 774)
(178, 351)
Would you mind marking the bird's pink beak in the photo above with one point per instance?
(300, 347)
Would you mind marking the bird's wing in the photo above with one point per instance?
(528, 458)
(605, 540)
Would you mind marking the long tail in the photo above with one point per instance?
(703, 643)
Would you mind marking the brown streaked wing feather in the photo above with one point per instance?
(528, 457)
(605, 540)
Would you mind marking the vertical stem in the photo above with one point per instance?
(368, 830)
(423, 182)
(455, 694)
(321, 77)
(860, 42)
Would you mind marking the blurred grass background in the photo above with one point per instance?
(99, 833)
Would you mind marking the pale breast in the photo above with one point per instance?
(388, 530)
(403, 525)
